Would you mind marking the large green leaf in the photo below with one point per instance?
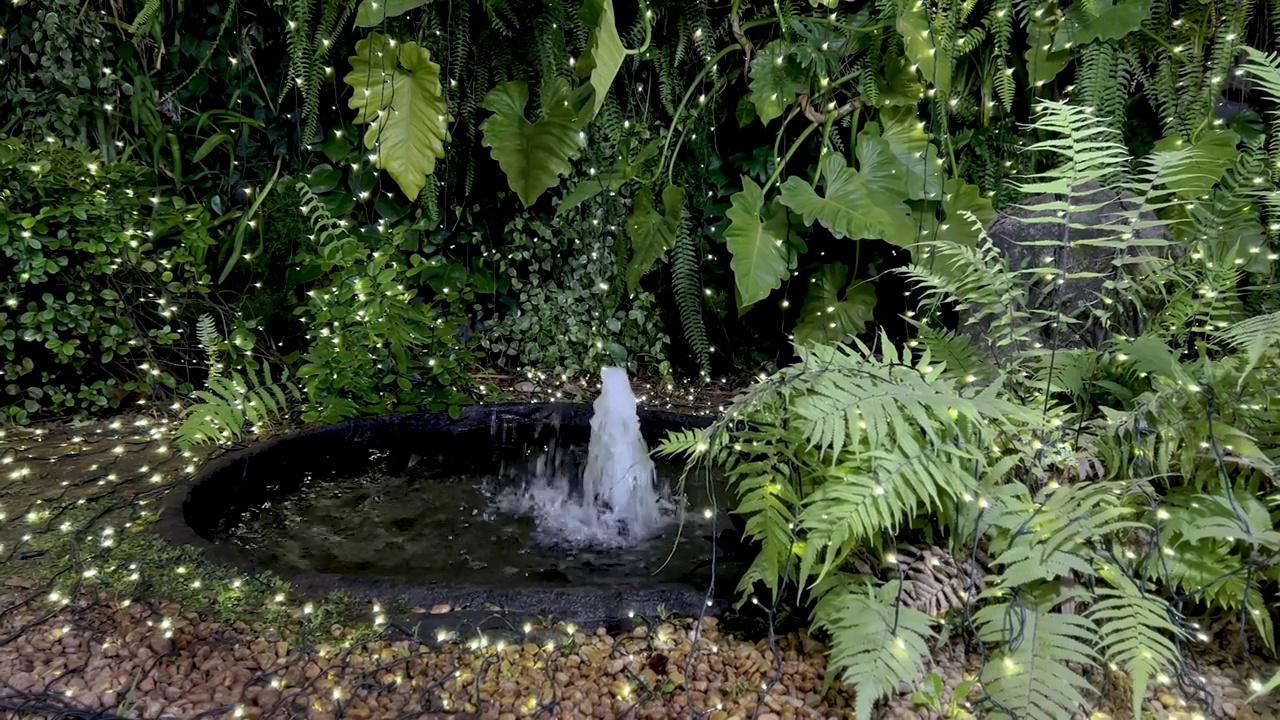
(532, 154)
(758, 246)
(851, 207)
(829, 317)
(776, 79)
(605, 52)
(907, 139)
(373, 12)
(652, 232)
(1043, 63)
(397, 91)
(958, 198)
(917, 40)
(899, 84)
(878, 164)
(1200, 165)
(1112, 22)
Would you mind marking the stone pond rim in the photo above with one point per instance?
(190, 511)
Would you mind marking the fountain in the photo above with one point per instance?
(617, 500)
(539, 508)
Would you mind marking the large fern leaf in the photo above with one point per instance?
(1032, 674)
(1136, 632)
(875, 644)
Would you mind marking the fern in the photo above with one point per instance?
(686, 280)
(231, 401)
(876, 645)
(1136, 632)
(1032, 675)
(145, 15)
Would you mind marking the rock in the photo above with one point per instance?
(1098, 215)
(440, 609)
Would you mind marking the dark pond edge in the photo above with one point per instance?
(610, 606)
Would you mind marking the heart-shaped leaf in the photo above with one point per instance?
(397, 91)
(652, 233)
(605, 52)
(324, 178)
(907, 139)
(850, 207)
(532, 154)
(1043, 63)
(1197, 167)
(829, 317)
(776, 79)
(758, 246)
(1112, 22)
(373, 12)
(917, 40)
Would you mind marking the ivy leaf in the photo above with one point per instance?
(758, 246)
(826, 316)
(917, 41)
(851, 207)
(908, 140)
(373, 12)
(532, 154)
(775, 81)
(397, 91)
(1112, 22)
(652, 233)
(604, 54)
(1198, 166)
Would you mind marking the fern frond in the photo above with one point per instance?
(686, 281)
(876, 645)
(1049, 537)
(1136, 631)
(1032, 674)
(1255, 337)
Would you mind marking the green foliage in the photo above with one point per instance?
(877, 644)
(533, 154)
(371, 13)
(396, 89)
(97, 279)
(686, 281)
(652, 233)
(231, 401)
(375, 346)
(759, 249)
(569, 313)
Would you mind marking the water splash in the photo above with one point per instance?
(617, 500)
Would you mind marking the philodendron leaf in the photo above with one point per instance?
(532, 154)
(605, 52)
(917, 40)
(899, 84)
(373, 12)
(397, 91)
(775, 81)
(850, 207)
(908, 140)
(1112, 22)
(829, 317)
(758, 246)
(652, 233)
(959, 198)
(1043, 63)
(1198, 166)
